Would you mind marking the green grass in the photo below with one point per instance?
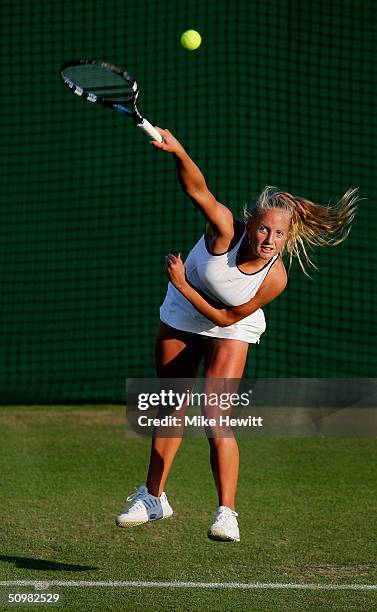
(306, 513)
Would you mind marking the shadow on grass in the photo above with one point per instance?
(43, 565)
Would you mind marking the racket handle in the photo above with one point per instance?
(150, 130)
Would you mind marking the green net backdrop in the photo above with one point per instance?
(279, 93)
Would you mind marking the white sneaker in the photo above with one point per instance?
(225, 526)
(144, 508)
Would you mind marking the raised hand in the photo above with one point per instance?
(170, 144)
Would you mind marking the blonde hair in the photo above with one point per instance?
(311, 224)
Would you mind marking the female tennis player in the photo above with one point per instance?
(212, 311)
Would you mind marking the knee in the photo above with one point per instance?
(219, 443)
(214, 371)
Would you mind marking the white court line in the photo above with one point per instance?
(45, 584)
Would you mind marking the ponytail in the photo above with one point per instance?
(311, 224)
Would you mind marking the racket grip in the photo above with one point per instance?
(150, 130)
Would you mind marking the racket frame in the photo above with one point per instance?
(116, 105)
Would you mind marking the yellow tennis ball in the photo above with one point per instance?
(191, 40)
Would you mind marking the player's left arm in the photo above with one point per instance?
(222, 315)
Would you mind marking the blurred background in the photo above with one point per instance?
(279, 93)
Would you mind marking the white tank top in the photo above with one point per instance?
(219, 277)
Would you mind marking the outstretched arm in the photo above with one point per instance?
(194, 185)
(220, 314)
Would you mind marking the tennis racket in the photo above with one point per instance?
(106, 84)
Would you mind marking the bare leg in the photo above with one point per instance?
(178, 355)
(225, 359)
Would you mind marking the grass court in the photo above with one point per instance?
(306, 513)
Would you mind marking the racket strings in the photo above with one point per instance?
(101, 82)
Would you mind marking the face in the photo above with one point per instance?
(268, 233)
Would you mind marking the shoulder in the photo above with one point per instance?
(278, 268)
(277, 277)
(220, 244)
(278, 271)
